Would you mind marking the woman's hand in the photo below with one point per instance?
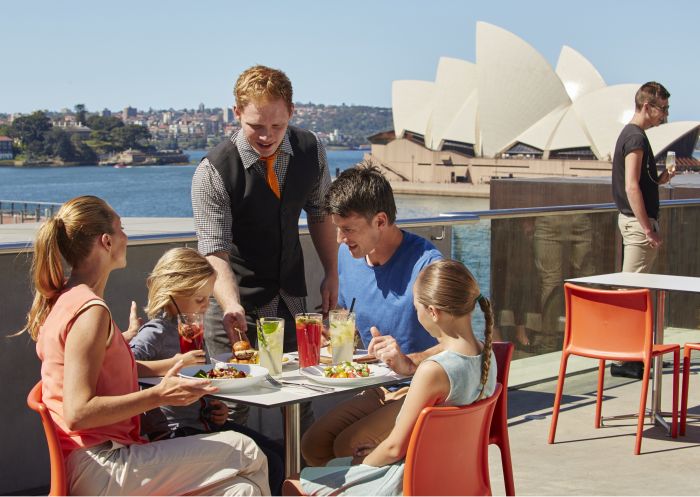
(135, 323)
(217, 412)
(190, 358)
(177, 391)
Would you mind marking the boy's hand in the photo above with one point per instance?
(218, 412)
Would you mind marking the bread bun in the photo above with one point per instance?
(242, 350)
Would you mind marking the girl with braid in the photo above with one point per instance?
(445, 295)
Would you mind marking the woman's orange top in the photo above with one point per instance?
(118, 375)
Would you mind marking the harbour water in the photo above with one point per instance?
(164, 191)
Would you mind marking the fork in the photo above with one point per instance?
(280, 384)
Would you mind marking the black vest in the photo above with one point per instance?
(266, 254)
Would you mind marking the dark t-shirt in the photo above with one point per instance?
(633, 138)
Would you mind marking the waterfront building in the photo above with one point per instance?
(511, 113)
(6, 148)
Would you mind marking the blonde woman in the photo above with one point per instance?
(183, 280)
(445, 295)
(90, 376)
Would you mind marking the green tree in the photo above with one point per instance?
(130, 136)
(31, 131)
(57, 143)
(80, 113)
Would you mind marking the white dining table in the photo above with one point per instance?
(264, 394)
(660, 284)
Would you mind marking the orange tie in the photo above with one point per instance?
(271, 176)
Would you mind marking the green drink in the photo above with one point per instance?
(271, 343)
(342, 331)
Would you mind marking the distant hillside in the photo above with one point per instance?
(354, 122)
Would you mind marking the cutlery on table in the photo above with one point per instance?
(316, 388)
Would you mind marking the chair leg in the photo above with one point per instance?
(557, 397)
(599, 397)
(676, 367)
(684, 393)
(506, 461)
(642, 406)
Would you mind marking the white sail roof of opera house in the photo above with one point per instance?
(512, 97)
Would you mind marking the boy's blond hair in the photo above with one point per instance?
(261, 84)
(180, 272)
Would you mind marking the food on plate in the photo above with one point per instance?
(347, 370)
(221, 374)
(242, 351)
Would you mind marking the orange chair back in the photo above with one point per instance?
(58, 469)
(504, 353)
(608, 324)
(448, 450)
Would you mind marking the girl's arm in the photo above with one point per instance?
(430, 386)
(85, 348)
(147, 347)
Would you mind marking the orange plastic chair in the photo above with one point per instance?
(687, 349)
(448, 453)
(612, 325)
(58, 469)
(499, 425)
(451, 442)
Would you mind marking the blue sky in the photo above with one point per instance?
(182, 53)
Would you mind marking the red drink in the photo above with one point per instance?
(308, 328)
(191, 330)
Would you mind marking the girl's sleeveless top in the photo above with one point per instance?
(118, 375)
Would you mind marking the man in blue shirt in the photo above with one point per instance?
(377, 266)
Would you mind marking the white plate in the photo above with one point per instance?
(223, 359)
(255, 373)
(356, 355)
(315, 373)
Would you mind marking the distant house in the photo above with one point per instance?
(6, 148)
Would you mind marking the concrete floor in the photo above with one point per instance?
(588, 461)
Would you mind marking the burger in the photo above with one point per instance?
(243, 353)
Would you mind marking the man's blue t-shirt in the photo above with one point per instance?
(384, 294)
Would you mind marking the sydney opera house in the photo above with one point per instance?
(510, 113)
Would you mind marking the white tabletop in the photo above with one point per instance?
(643, 280)
(266, 395)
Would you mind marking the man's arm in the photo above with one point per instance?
(228, 296)
(324, 239)
(633, 170)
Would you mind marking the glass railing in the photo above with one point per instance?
(521, 258)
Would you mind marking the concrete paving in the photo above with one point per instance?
(589, 461)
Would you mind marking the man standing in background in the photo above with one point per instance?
(635, 187)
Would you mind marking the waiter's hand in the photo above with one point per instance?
(234, 321)
(329, 293)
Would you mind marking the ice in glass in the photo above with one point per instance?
(308, 327)
(342, 330)
(271, 343)
(190, 327)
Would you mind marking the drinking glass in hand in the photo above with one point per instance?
(190, 327)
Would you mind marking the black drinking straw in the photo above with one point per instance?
(175, 304)
(352, 304)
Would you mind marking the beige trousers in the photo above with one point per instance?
(367, 418)
(225, 463)
(639, 255)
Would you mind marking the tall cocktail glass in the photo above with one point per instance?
(308, 326)
(342, 324)
(190, 327)
(271, 343)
